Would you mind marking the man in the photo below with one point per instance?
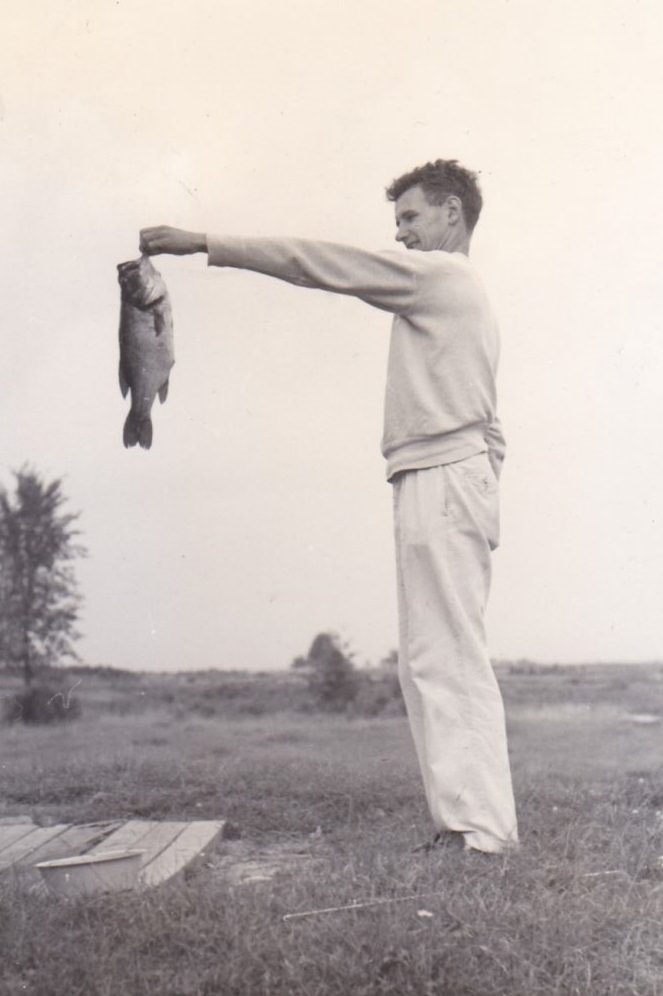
(444, 449)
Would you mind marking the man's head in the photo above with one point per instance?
(437, 206)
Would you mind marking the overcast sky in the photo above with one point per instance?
(261, 515)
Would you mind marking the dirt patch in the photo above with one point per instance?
(243, 863)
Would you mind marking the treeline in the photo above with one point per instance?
(325, 680)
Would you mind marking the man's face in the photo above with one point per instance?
(420, 225)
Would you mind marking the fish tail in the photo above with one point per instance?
(137, 430)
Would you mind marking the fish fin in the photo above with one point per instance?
(163, 392)
(124, 386)
(145, 434)
(137, 431)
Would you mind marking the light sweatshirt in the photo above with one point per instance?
(440, 402)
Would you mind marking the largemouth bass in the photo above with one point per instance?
(146, 345)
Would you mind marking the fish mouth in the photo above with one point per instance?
(141, 284)
(131, 265)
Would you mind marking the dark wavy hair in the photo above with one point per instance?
(438, 180)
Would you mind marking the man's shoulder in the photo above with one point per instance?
(452, 268)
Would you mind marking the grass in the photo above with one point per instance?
(577, 911)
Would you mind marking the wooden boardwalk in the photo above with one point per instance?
(169, 847)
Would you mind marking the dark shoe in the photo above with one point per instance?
(444, 840)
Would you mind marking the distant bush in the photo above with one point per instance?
(331, 674)
(378, 695)
(40, 705)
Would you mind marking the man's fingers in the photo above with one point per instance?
(175, 241)
(151, 240)
(155, 239)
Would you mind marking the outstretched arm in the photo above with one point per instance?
(386, 280)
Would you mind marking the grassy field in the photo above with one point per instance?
(323, 812)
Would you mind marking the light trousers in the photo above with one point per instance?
(446, 522)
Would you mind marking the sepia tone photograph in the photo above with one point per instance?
(331, 657)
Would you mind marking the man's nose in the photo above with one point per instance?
(400, 235)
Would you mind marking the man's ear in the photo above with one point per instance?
(454, 207)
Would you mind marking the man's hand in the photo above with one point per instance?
(175, 241)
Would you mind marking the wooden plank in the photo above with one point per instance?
(127, 837)
(10, 834)
(148, 835)
(74, 841)
(89, 835)
(96, 835)
(184, 848)
(159, 840)
(29, 844)
(169, 847)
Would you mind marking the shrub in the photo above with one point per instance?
(332, 678)
(378, 696)
(40, 705)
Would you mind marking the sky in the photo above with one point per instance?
(261, 515)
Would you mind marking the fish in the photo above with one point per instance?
(146, 345)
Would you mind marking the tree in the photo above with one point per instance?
(390, 661)
(39, 598)
(331, 673)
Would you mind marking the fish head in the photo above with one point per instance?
(141, 283)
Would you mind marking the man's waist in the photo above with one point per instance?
(431, 451)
